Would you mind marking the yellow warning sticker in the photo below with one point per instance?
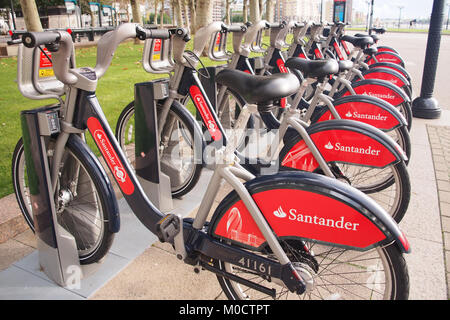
(46, 73)
(156, 57)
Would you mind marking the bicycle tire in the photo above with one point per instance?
(195, 135)
(95, 176)
(368, 269)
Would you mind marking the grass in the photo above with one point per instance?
(115, 90)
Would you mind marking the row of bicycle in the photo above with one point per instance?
(313, 212)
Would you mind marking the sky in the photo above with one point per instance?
(413, 9)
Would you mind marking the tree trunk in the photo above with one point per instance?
(31, 15)
(135, 7)
(176, 4)
(245, 11)
(261, 8)
(203, 13)
(185, 8)
(227, 12)
(269, 13)
(193, 15)
(254, 11)
(161, 15)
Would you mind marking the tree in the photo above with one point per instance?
(178, 14)
(203, 13)
(193, 15)
(135, 7)
(31, 15)
(137, 18)
(227, 11)
(185, 7)
(255, 15)
(269, 13)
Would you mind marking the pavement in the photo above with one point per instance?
(139, 267)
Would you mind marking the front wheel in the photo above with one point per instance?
(80, 200)
(180, 156)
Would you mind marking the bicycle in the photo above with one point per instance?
(251, 243)
(391, 187)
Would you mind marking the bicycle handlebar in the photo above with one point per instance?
(143, 33)
(234, 28)
(34, 39)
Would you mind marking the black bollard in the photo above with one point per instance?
(426, 106)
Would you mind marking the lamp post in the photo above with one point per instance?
(371, 17)
(426, 106)
(400, 16)
(448, 14)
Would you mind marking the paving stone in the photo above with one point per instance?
(445, 224)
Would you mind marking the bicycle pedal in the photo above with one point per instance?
(168, 227)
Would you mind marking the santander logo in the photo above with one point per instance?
(110, 156)
(364, 116)
(351, 149)
(379, 95)
(202, 107)
(280, 213)
(293, 215)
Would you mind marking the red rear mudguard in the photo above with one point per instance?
(385, 56)
(386, 48)
(366, 109)
(390, 75)
(306, 206)
(343, 141)
(392, 66)
(379, 89)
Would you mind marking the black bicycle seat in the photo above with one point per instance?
(371, 50)
(259, 89)
(373, 36)
(345, 65)
(361, 42)
(313, 68)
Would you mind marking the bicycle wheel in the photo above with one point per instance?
(80, 200)
(179, 158)
(335, 273)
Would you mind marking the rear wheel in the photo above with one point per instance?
(334, 273)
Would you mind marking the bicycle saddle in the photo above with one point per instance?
(371, 50)
(313, 68)
(259, 89)
(361, 42)
(345, 65)
(373, 36)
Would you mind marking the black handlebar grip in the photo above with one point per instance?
(275, 25)
(34, 39)
(236, 28)
(160, 33)
(143, 33)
